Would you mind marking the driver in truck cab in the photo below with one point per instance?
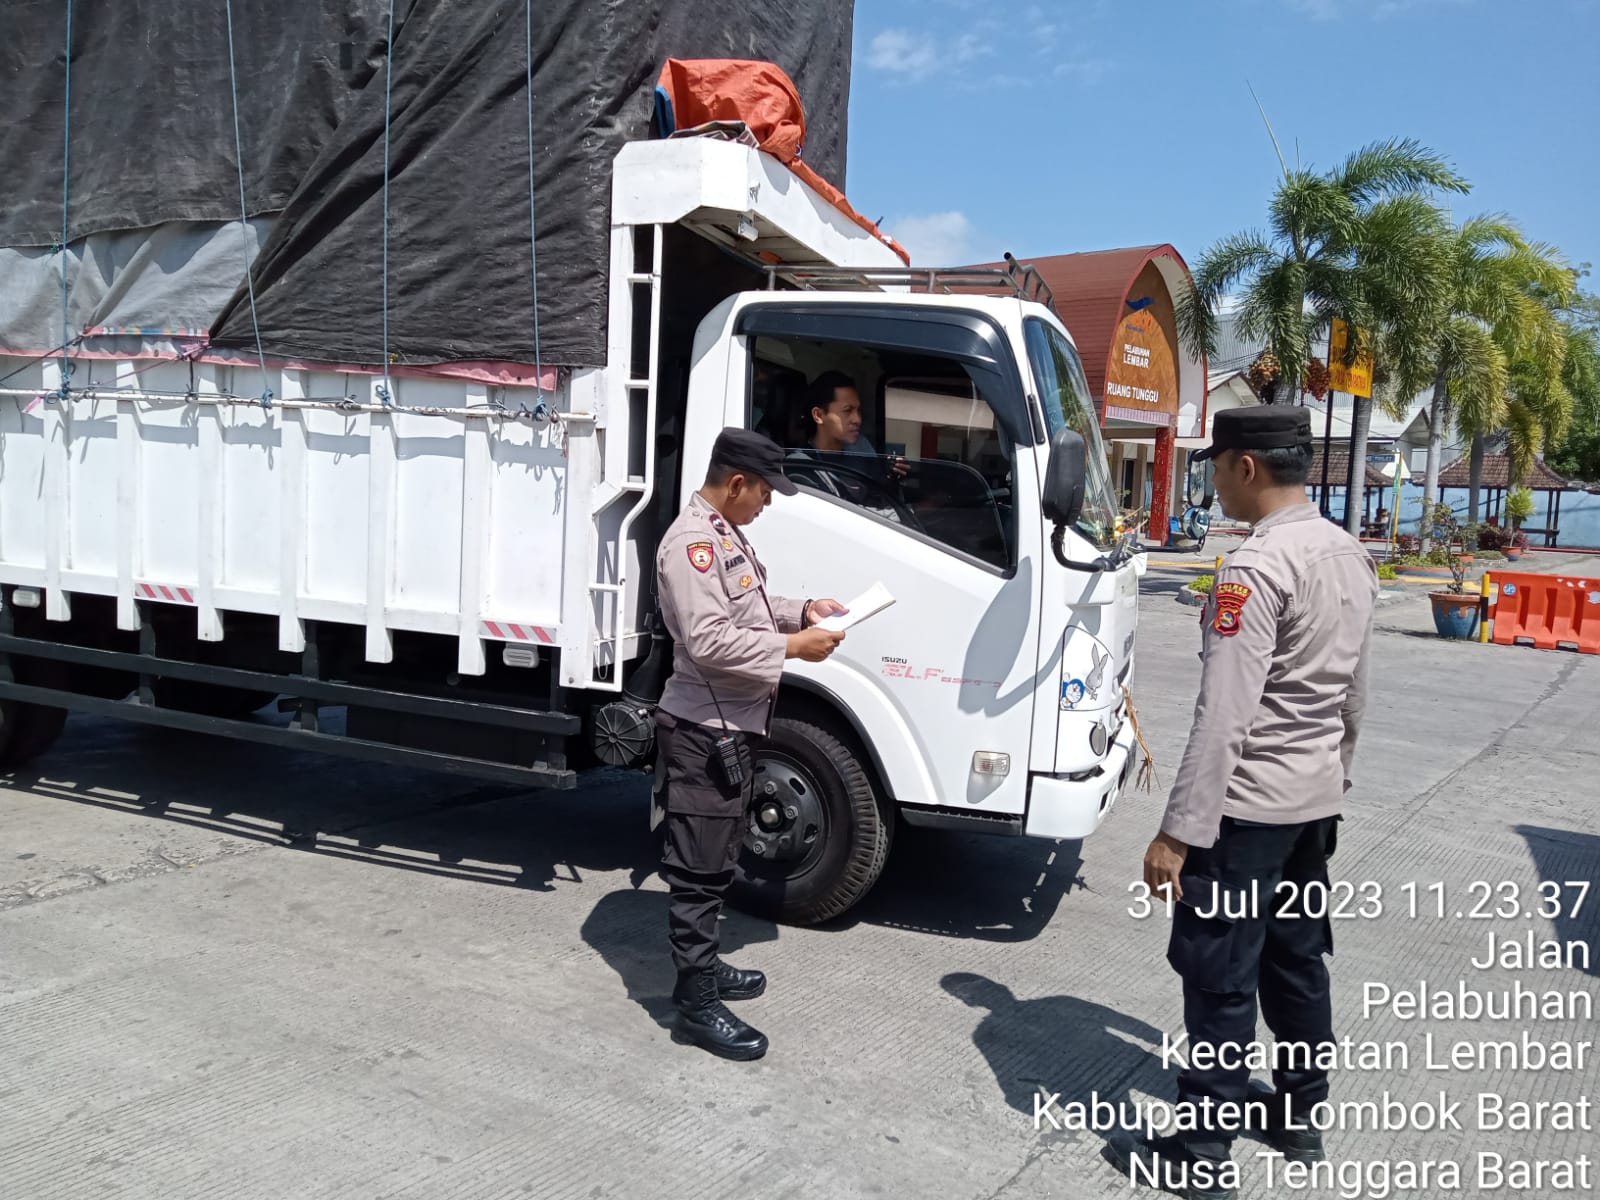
(731, 640)
(840, 460)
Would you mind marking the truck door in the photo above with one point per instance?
(925, 500)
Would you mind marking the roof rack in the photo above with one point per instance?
(1023, 282)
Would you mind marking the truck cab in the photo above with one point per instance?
(990, 696)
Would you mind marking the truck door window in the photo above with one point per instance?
(925, 453)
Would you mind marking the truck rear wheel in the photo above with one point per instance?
(818, 836)
(28, 730)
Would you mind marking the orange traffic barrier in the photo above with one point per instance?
(1548, 612)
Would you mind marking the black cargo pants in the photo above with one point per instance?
(701, 835)
(1266, 944)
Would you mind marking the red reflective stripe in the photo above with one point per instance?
(517, 629)
(494, 630)
(544, 636)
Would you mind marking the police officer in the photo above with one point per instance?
(1257, 799)
(732, 638)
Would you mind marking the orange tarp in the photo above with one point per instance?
(764, 97)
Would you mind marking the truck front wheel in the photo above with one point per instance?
(818, 836)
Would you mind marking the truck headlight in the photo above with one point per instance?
(1099, 739)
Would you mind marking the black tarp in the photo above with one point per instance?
(152, 109)
(312, 109)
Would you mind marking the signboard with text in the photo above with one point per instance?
(1141, 374)
(1356, 377)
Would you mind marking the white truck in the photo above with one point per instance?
(466, 569)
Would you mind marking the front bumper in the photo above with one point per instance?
(1060, 806)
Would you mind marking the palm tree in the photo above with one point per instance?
(1578, 453)
(1311, 264)
(1538, 408)
(1359, 242)
(1495, 313)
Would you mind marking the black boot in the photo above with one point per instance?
(704, 1020)
(1298, 1145)
(734, 984)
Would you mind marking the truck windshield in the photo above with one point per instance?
(1064, 395)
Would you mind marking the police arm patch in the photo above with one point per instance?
(701, 556)
(1229, 599)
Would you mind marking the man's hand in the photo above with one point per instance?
(898, 467)
(823, 608)
(1162, 862)
(813, 645)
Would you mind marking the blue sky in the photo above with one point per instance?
(1049, 126)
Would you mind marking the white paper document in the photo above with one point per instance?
(872, 601)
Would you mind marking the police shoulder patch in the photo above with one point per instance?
(1229, 600)
(745, 581)
(701, 556)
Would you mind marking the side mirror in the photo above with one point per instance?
(1064, 478)
(1199, 490)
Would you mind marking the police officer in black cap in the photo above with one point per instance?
(1285, 638)
(732, 638)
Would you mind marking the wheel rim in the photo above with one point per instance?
(788, 822)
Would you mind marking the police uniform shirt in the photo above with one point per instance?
(729, 634)
(1285, 636)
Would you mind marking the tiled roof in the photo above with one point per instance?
(1339, 467)
(1497, 474)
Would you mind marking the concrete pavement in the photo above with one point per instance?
(230, 971)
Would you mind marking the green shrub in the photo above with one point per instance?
(1201, 583)
(1387, 571)
(1436, 557)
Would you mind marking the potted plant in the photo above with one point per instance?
(1455, 613)
(1519, 507)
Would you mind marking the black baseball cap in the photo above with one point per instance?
(1259, 427)
(754, 454)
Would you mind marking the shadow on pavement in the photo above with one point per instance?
(388, 816)
(628, 928)
(1571, 859)
(996, 889)
(950, 884)
(1058, 1046)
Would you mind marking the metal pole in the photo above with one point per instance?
(1327, 438)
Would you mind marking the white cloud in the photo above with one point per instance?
(967, 61)
(970, 46)
(1083, 70)
(901, 52)
(944, 239)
